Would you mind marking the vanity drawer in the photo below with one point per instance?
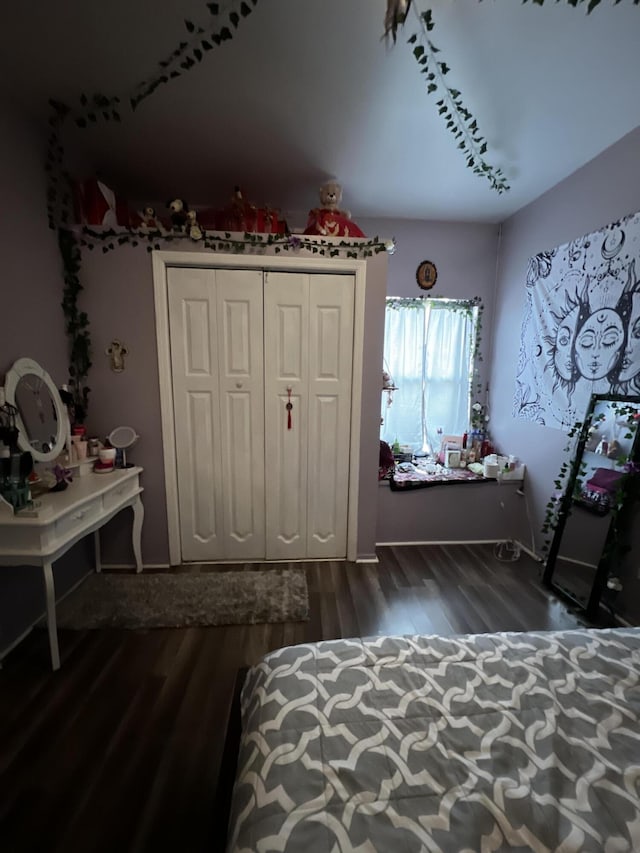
(79, 517)
(116, 495)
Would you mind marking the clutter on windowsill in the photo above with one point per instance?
(460, 459)
(425, 472)
(408, 475)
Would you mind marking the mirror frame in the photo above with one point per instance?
(590, 609)
(27, 366)
(132, 433)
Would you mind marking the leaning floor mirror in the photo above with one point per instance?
(593, 517)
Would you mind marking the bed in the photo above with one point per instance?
(489, 742)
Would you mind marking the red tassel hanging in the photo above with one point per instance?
(289, 407)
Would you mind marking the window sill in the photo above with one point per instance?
(448, 477)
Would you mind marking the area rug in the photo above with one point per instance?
(186, 600)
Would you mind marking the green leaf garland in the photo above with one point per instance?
(459, 120)
(76, 324)
(92, 109)
(225, 241)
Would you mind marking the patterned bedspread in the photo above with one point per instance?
(487, 743)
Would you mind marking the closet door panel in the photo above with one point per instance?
(331, 301)
(241, 374)
(286, 320)
(192, 323)
(256, 480)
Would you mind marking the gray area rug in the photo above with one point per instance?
(186, 600)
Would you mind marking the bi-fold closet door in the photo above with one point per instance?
(257, 480)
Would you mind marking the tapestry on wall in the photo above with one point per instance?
(581, 326)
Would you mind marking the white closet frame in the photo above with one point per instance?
(163, 260)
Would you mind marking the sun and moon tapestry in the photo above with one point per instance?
(581, 326)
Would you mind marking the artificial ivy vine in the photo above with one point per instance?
(93, 108)
(249, 242)
(76, 324)
(459, 120)
(185, 56)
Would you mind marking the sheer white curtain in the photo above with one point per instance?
(428, 352)
(404, 350)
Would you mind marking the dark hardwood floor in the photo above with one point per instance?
(120, 750)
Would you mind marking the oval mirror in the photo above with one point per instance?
(42, 418)
(121, 438)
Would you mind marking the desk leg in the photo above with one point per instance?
(51, 615)
(136, 533)
(96, 551)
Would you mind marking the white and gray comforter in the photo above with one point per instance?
(480, 743)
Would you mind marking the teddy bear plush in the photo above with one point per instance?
(329, 220)
(178, 208)
(330, 198)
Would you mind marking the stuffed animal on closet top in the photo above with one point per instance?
(329, 220)
(178, 208)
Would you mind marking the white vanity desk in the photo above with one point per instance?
(61, 520)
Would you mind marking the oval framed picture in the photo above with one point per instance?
(426, 275)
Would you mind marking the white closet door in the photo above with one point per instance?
(241, 375)
(194, 368)
(286, 360)
(331, 299)
(308, 348)
(215, 320)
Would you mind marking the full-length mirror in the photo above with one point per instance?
(42, 418)
(590, 525)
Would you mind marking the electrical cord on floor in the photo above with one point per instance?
(507, 552)
(523, 494)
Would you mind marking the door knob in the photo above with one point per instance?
(238, 384)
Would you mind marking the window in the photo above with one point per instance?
(429, 350)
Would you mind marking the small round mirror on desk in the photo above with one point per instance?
(122, 438)
(42, 419)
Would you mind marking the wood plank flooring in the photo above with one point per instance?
(120, 750)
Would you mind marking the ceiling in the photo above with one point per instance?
(307, 90)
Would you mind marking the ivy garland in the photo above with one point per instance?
(249, 242)
(93, 108)
(459, 120)
(186, 55)
(76, 324)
